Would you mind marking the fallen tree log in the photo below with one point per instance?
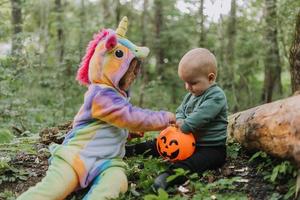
(273, 128)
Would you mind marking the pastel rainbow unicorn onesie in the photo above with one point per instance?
(92, 151)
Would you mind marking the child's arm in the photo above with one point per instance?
(110, 107)
(204, 113)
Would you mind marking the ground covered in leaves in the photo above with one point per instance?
(245, 175)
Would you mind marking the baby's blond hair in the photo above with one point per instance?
(200, 60)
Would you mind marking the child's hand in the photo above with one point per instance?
(172, 118)
(179, 123)
(132, 135)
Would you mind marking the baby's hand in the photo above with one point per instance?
(172, 118)
(179, 123)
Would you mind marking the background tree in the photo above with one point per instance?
(202, 28)
(144, 71)
(16, 21)
(230, 50)
(272, 81)
(60, 31)
(295, 57)
(159, 22)
(230, 53)
(83, 19)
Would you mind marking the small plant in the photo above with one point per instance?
(4, 164)
(233, 149)
(8, 195)
(284, 168)
(262, 160)
(178, 172)
(215, 190)
(259, 154)
(292, 189)
(162, 195)
(9, 173)
(223, 184)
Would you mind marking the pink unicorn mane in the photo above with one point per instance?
(83, 71)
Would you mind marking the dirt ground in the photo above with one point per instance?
(253, 185)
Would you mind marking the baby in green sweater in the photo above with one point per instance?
(202, 112)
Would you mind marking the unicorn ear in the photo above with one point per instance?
(111, 41)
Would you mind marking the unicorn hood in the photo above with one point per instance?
(108, 57)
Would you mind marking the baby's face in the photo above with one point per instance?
(196, 83)
(130, 75)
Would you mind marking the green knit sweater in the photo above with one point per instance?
(205, 116)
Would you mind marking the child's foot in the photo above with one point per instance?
(161, 181)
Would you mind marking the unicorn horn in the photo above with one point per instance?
(122, 28)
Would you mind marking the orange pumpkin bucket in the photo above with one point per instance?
(174, 145)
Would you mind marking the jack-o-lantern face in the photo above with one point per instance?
(174, 145)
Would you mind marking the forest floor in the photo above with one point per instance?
(24, 163)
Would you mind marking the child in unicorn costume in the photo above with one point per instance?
(92, 151)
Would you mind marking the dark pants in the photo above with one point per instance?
(204, 157)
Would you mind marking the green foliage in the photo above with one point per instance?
(37, 90)
(7, 195)
(5, 136)
(13, 175)
(282, 169)
(9, 173)
(275, 172)
(207, 191)
(178, 172)
(279, 170)
(145, 170)
(259, 154)
(26, 144)
(4, 164)
(233, 149)
(162, 195)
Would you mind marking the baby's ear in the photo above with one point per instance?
(111, 41)
(211, 77)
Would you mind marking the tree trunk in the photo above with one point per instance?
(229, 49)
(16, 21)
(118, 12)
(273, 128)
(221, 51)
(231, 31)
(272, 82)
(60, 33)
(144, 77)
(158, 27)
(230, 55)
(202, 29)
(43, 33)
(295, 58)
